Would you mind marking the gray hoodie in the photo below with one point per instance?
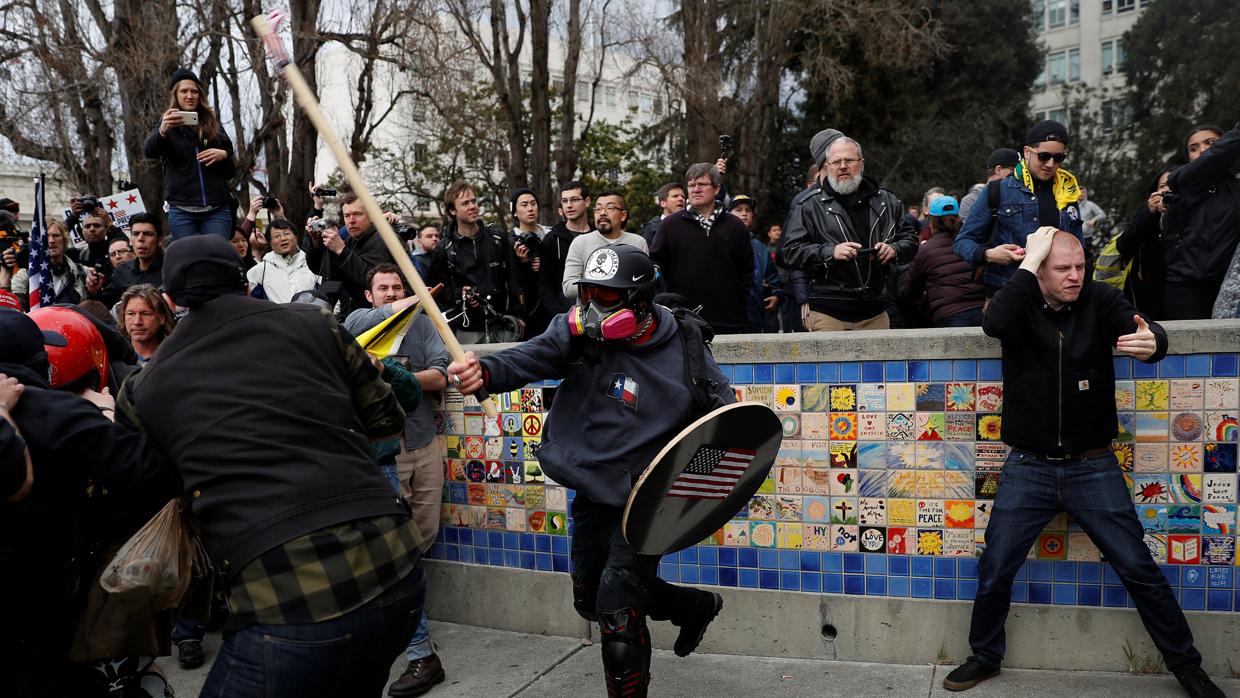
(610, 417)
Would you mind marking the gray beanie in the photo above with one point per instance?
(821, 141)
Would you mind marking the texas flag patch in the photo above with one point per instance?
(624, 389)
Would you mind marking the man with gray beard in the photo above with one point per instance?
(845, 232)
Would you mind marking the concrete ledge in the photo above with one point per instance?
(1186, 337)
(827, 626)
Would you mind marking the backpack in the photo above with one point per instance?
(1111, 268)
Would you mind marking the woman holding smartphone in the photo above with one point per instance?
(198, 161)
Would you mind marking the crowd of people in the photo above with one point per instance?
(128, 321)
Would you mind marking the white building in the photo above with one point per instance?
(1083, 44)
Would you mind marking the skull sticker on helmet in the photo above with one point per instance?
(602, 265)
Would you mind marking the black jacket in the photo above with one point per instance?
(280, 453)
(485, 263)
(130, 274)
(1142, 242)
(1203, 225)
(350, 267)
(712, 269)
(186, 181)
(553, 252)
(947, 280)
(1058, 373)
(818, 221)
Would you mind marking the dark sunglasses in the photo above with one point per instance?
(1044, 156)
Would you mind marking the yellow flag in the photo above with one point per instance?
(384, 339)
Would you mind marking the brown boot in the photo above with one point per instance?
(420, 676)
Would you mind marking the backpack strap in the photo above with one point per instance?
(992, 198)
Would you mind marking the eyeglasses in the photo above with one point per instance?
(282, 233)
(601, 294)
(120, 253)
(609, 208)
(572, 201)
(847, 162)
(1044, 156)
(693, 186)
(92, 225)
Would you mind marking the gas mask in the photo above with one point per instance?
(602, 314)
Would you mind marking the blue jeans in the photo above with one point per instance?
(350, 655)
(968, 318)
(218, 221)
(1031, 491)
(420, 646)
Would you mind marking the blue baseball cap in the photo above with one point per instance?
(945, 206)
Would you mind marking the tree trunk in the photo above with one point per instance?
(566, 157)
(305, 139)
(702, 78)
(540, 109)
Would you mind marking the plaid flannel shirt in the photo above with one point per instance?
(706, 221)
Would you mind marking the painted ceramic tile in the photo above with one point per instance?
(768, 484)
(816, 481)
(453, 400)
(816, 537)
(957, 456)
(872, 397)
(1187, 394)
(510, 424)
(930, 426)
(1082, 549)
(1222, 394)
(1127, 422)
(959, 426)
(843, 426)
(989, 397)
(762, 534)
(1152, 426)
(960, 397)
(817, 509)
(1183, 549)
(901, 541)
(843, 510)
(900, 426)
(843, 454)
(557, 498)
(791, 425)
(873, 483)
(1184, 518)
(789, 453)
(843, 398)
(930, 513)
(981, 513)
(902, 512)
(1150, 458)
(989, 427)
(815, 398)
(515, 519)
(872, 426)
(493, 448)
(1058, 522)
(816, 453)
(789, 536)
(736, 533)
(985, 485)
(958, 543)
(1157, 545)
(513, 496)
(557, 523)
(532, 444)
(788, 479)
(958, 513)
(1218, 488)
(535, 497)
(1186, 488)
(1221, 425)
(1152, 395)
(1052, 546)
(1220, 457)
(957, 484)
(787, 398)
(1125, 395)
(930, 483)
(929, 455)
(931, 397)
(990, 452)
(789, 507)
(491, 426)
(1185, 458)
(872, 455)
(473, 425)
(873, 539)
(1187, 426)
(845, 538)
(815, 426)
(929, 542)
(901, 397)
(872, 511)
(901, 455)
(1218, 519)
(456, 470)
(763, 506)
(1218, 550)
(903, 484)
(474, 447)
(531, 400)
(764, 394)
(495, 519)
(1123, 455)
(1151, 489)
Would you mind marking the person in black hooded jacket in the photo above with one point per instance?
(575, 205)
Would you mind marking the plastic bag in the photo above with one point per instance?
(158, 559)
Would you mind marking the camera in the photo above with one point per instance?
(530, 240)
(867, 251)
(318, 225)
(1169, 198)
(271, 203)
(324, 192)
(89, 203)
(725, 146)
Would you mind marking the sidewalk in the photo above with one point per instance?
(485, 663)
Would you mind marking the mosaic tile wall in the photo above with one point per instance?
(885, 483)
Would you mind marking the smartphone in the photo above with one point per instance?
(190, 118)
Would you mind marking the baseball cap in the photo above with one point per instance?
(1003, 157)
(745, 199)
(945, 206)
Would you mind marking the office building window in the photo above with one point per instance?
(1060, 115)
(1056, 68)
(1112, 56)
(1074, 65)
(647, 102)
(1107, 6)
(1039, 15)
(1125, 5)
(1074, 11)
(1056, 13)
(1116, 113)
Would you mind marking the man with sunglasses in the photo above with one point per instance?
(1038, 193)
(610, 217)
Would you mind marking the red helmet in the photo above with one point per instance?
(83, 353)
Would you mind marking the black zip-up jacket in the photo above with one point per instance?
(713, 269)
(553, 252)
(188, 182)
(818, 221)
(1201, 228)
(1058, 373)
(131, 274)
(350, 267)
(485, 262)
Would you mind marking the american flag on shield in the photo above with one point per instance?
(712, 473)
(42, 291)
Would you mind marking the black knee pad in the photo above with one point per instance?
(585, 599)
(626, 652)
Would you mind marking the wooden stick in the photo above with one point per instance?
(310, 104)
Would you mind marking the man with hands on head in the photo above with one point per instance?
(1057, 328)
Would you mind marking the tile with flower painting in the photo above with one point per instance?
(961, 397)
(843, 426)
(989, 427)
(958, 513)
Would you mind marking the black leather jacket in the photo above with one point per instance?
(817, 222)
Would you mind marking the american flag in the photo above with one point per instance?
(42, 290)
(712, 473)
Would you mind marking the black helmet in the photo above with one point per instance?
(624, 267)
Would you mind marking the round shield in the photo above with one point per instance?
(702, 478)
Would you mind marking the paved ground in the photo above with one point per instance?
(481, 663)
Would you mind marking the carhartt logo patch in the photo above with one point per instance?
(1082, 385)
